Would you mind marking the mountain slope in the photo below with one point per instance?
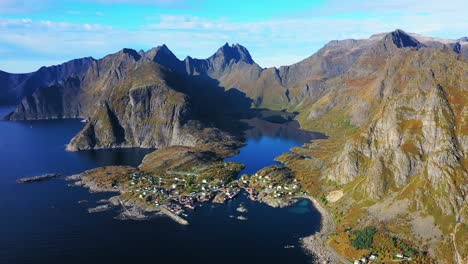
(13, 87)
(397, 153)
(133, 99)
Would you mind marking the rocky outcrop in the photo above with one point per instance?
(419, 131)
(459, 46)
(139, 99)
(150, 116)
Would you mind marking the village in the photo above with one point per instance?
(372, 258)
(181, 191)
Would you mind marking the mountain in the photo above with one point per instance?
(393, 105)
(397, 120)
(141, 98)
(132, 99)
(13, 87)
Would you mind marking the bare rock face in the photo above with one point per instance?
(139, 108)
(401, 39)
(418, 135)
(14, 87)
(399, 117)
(153, 116)
(132, 99)
(54, 102)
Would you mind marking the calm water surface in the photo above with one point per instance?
(44, 223)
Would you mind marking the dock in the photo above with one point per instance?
(173, 216)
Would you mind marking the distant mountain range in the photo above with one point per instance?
(394, 105)
(14, 87)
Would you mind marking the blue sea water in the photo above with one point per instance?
(261, 152)
(44, 223)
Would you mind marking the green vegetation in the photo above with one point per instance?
(404, 247)
(364, 238)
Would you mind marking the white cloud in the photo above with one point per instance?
(272, 42)
(29, 6)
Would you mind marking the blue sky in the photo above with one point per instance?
(34, 33)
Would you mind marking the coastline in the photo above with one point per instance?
(136, 212)
(316, 243)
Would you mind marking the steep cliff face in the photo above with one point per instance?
(140, 99)
(418, 131)
(13, 87)
(398, 120)
(136, 106)
(54, 102)
(132, 99)
(150, 116)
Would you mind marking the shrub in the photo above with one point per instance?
(363, 239)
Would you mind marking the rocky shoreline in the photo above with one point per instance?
(132, 209)
(316, 244)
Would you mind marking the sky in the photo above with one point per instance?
(35, 33)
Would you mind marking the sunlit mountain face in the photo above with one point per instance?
(128, 149)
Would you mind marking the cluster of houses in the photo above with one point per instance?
(276, 190)
(366, 259)
(225, 194)
(176, 209)
(373, 257)
(187, 201)
(205, 196)
(172, 192)
(402, 256)
(253, 194)
(231, 192)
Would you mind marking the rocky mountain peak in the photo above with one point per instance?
(132, 53)
(234, 52)
(401, 39)
(164, 56)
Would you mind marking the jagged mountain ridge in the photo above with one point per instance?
(234, 67)
(396, 101)
(295, 87)
(131, 99)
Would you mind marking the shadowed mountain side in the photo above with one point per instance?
(13, 87)
(54, 102)
(212, 104)
(176, 110)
